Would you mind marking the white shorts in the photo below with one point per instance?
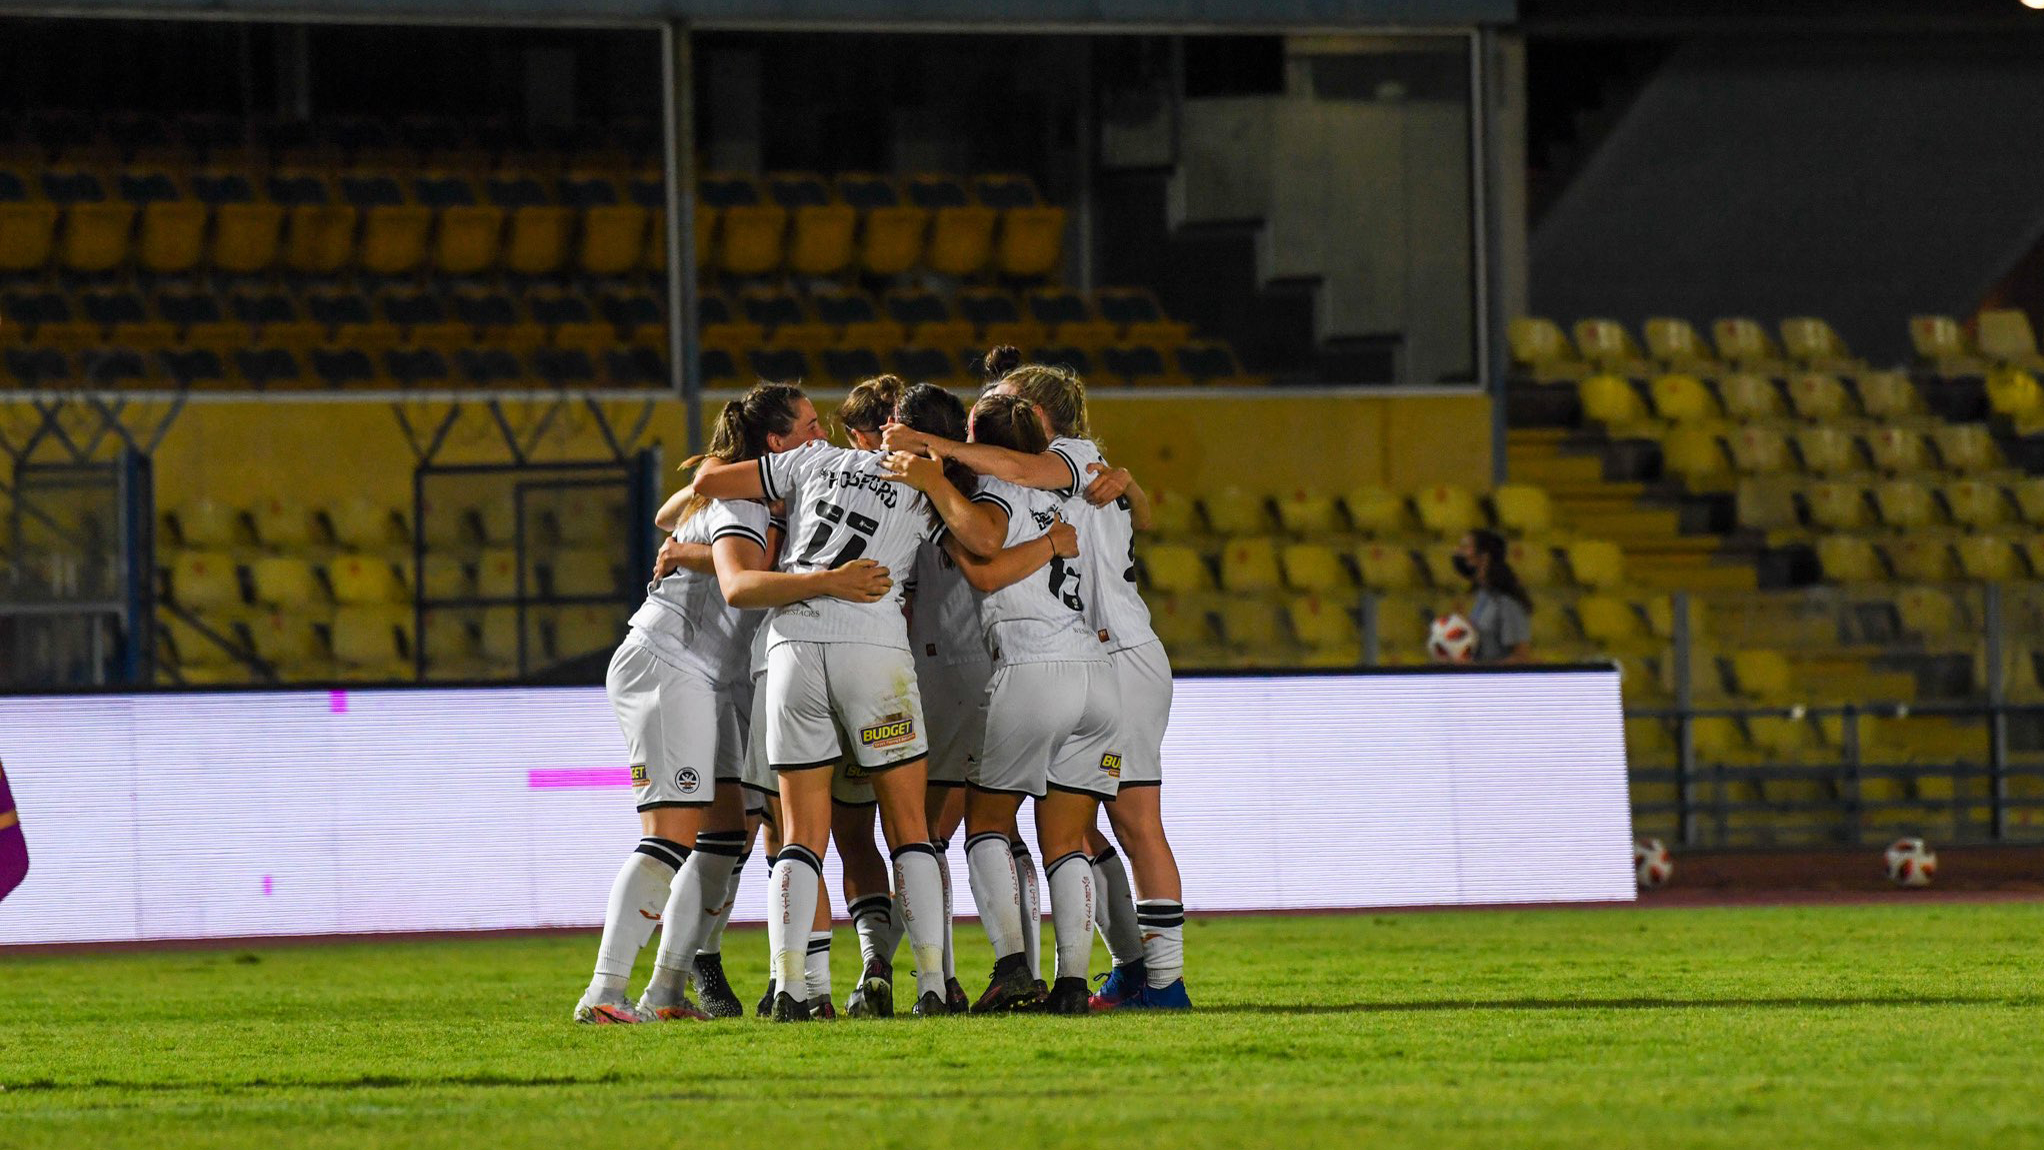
(757, 775)
(955, 703)
(1051, 726)
(1144, 676)
(813, 687)
(735, 725)
(669, 716)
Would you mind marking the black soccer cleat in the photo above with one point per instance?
(765, 1009)
(1009, 989)
(820, 1009)
(931, 1005)
(954, 997)
(788, 1009)
(1069, 996)
(874, 996)
(714, 990)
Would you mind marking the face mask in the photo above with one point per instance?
(1464, 567)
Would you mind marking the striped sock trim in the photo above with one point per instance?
(943, 846)
(983, 836)
(880, 906)
(819, 944)
(801, 855)
(914, 848)
(1018, 848)
(1050, 867)
(1105, 856)
(726, 845)
(1160, 912)
(665, 850)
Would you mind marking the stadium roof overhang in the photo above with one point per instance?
(905, 15)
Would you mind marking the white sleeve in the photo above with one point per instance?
(780, 475)
(739, 520)
(1077, 455)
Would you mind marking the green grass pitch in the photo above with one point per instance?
(1910, 1023)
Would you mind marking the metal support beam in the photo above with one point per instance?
(678, 114)
(1487, 76)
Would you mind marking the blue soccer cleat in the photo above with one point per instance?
(1170, 997)
(1124, 987)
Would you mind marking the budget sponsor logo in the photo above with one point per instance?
(888, 732)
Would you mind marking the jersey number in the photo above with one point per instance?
(1060, 577)
(832, 516)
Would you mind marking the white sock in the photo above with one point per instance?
(817, 969)
(1163, 939)
(636, 896)
(1032, 909)
(943, 847)
(1071, 913)
(991, 867)
(791, 909)
(873, 919)
(713, 942)
(921, 894)
(1115, 908)
(771, 860)
(691, 908)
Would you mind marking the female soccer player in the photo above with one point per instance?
(670, 684)
(831, 662)
(1052, 708)
(1146, 939)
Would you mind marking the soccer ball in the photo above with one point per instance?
(1652, 863)
(1911, 862)
(1452, 640)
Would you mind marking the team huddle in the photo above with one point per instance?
(931, 624)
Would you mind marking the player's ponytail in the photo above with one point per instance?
(1498, 574)
(1008, 421)
(742, 429)
(871, 404)
(999, 361)
(1058, 391)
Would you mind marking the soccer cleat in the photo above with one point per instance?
(787, 1009)
(681, 1010)
(1172, 997)
(874, 996)
(766, 1001)
(930, 1006)
(1009, 988)
(954, 997)
(1123, 987)
(820, 1009)
(1069, 996)
(719, 1000)
(606, 1012)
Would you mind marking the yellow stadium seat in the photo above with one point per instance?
(1836, 505)
(1758, 449)
(1820, 398)
(1522, 509)
(586, 628)
(499, 633)
(497, 575)
(1313, 567)
(173, 237)
(1966, 447)
(1941, 342)
(537, 242)
(1611, 622)
(208, 523)
(319, 238)
(1233, 511)
(290, 645)
(95, 236)
(1888, 395)
(1716, 738)
(450, 646)
(394, 238)
(1377, 512)
(1988, 559)
(1919, 558)
(246, 237)
(2007, 338)
(1694, 454)
(1250, 564)
(1254, 627)
(821, 243)
(1905, 504)
(360, 523)
(1181, 621)
(614, 239)
(1031, 242)
(1749, 397)
(1175, 569)
(2029, 497)
(1532, 561)
(282, 523)
(1611, 401)
(1766, 503)
(1543, 351)
(364, 579)
(28, 235)
(1683, 399)
(1607, 344)
(1596, 563)
(366, 644)
(1813, 344)
(1745, 344)
(1304, 512)
(1676, 344)
(1173, 515)
(1448, 510)
(891, 242)
(1828, 450)
(285, 582)
(1322, 623)
(1763, 675)
(961, 240)
(200, 580)
(1976, 503)
(466, 241)
(1898, 450)
(583, 573)
(1926, 612)
(1649, 742)
(446, 578)
(1386, 567)
(1849, 559)
(1784, 737)
(2016, 396)
(1660, 613)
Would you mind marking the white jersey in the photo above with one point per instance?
(1107, 566)
(759, 633)
(841, 507)
(1040, 618)
(684, 618)
(943, 626)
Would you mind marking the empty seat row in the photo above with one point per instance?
(1701, 453)
(378, 643)
(212, 580)
(975, 316)
(1627, 407)
(1902, 504)
(1443, 510)
(1202, 363)
(282, 368)
(282, 525)
(1541, 349)
(1927, 557)
(1254, 564)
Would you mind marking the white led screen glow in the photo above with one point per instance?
(222, 815)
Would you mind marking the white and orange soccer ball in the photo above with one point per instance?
(1451, 640)
(1652, 863)
(1911, 862)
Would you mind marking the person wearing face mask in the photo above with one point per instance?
(1501, 611)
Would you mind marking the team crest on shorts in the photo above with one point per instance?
(1110, 765)
(891, 731)
(638, 774)
(687, 780)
